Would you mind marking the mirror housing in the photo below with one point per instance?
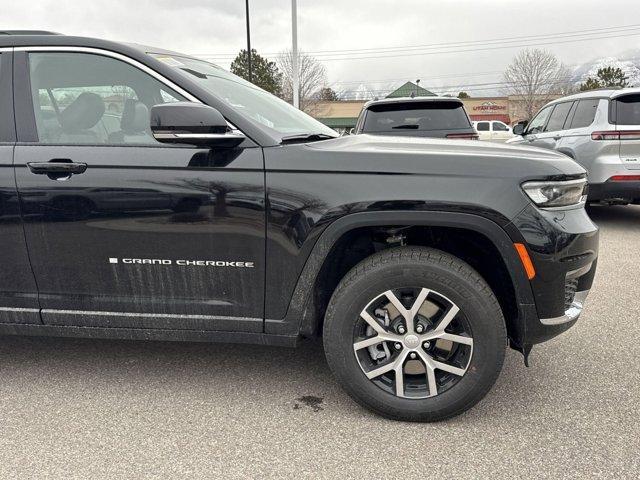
(192, 124)
(519, 128)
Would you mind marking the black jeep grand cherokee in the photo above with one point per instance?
(149, 195)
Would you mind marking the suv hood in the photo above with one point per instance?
(386, 154)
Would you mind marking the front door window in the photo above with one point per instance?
(88, 99)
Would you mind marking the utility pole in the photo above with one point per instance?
(248, 42)
(294, 54)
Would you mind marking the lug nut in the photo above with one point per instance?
(413, 355)
(426, 344)
(397, 346)
(401, 329)
(419, 328)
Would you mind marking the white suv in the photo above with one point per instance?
(599, 129)
(493, 130)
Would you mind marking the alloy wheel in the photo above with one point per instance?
(413, 342)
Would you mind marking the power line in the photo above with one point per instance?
(486, 42)
(500, 47)
(422, 77)
(447, 45)
(455, 75)
(469, 87)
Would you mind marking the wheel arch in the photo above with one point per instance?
(304, 315)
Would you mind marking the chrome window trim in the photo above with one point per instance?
(209, 136)
(117, 56)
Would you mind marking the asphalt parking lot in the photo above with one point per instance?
(111, 409)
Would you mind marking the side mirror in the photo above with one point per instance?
(518, 128)
(192, 124)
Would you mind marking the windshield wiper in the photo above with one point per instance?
(408, 126)
(305, 137)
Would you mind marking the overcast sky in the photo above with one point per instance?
(217, 28)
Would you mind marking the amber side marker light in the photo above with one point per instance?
(526, 260)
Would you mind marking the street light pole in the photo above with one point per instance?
(248, 42)
(294, 54)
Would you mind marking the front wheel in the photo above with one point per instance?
(415, 334)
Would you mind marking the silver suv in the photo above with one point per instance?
(599, 129)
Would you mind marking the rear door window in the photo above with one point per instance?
(422, 116)
(558, 117)
(482, 126)
(585, 113)
(625, 110)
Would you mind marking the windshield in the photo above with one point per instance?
(247, 99)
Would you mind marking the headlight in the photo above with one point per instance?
(557, 194)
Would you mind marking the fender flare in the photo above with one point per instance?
(299, 316)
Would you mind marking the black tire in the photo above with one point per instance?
(440, 272)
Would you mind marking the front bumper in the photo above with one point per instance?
(572, 313)
(563, 246)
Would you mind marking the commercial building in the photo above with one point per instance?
(342, 115)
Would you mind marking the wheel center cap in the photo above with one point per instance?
(411, 341)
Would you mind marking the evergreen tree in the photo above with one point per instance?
(327, 94)
(264, 73)
(606, 77)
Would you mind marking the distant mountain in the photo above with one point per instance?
(628, 62)
(361, 92)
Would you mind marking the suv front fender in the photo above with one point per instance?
(301, 317)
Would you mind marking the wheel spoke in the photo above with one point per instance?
(422, 296)
(400, 379)
(408, 315)
(449, 368)
(455, 338)
(446, 320)
(431, 381)
(387, 367)
(372, 322)
(368, 342)
(431, 374)
(397, 303)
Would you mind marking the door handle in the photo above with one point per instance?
(58, 167)
(557, 137)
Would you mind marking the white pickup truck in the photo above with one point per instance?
(493, 130)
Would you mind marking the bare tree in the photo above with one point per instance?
(535, 76)
(312, 75)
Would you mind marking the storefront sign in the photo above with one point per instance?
(489, 107)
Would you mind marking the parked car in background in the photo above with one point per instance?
(599, 129)
(439, 117)
(494, 130)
